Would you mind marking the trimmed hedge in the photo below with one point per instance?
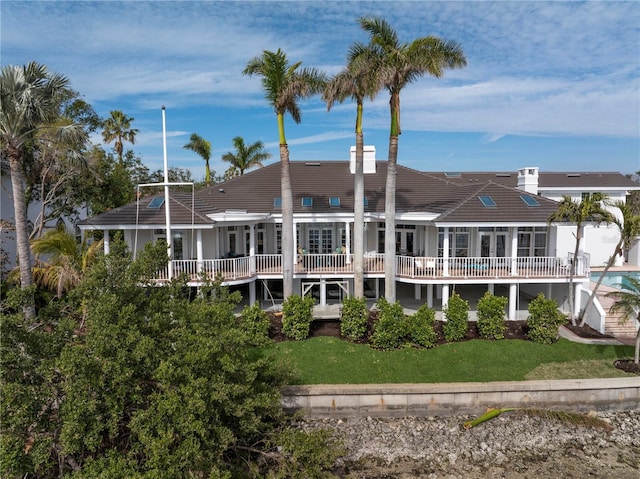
(491, 316)
(353, 324)
(297, 315)
(457, 314)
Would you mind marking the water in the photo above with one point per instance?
(615, 279)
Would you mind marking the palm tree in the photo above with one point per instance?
(590, 209)
(61, 261)
(246, 157)
(628, 303)
(118, 128)
(361, 78)
(284, 85)
(629, 227)
(403, 63)
(30, 100)
(202, 147)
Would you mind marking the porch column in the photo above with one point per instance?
(577, 299)
(491, 287)
(348, 240)
(417, 288)
(430, 295)
(199, 257)
(323, 292)
(252, 240)
(445, 295)
(445, 255)
(106, 242)
(252, 293)
(514, 251)
(295, 242)
(513, 301)
(216, 242)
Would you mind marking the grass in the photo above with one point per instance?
(328, 360)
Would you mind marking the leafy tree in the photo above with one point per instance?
(202, 147)
(153, 385)
(544, 320)
(246, 156)
(117, 128)
(591, 209)
(627, 302)
(30, 99)
(361, 78)
(284, 85)
(402, 63)
(629, 227)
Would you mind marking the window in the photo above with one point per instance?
(532, 242)
(334, 202)
(279, 238)
(156, 203)
(307, 201)
(487, 201)
(529, 200)
(458, 243)
(277, 202)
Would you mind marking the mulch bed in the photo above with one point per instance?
(515, 330)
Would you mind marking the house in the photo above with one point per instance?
(482, 231)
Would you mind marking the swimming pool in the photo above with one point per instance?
(616, 278)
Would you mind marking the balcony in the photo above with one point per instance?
(408, 267)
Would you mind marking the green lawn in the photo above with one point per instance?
(327, 360)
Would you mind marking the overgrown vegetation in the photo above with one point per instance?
(353, 323)
(297, 316)
(491, 316)
(122, 380)
(544, 320)
(457, 313)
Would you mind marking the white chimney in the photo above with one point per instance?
(368, 157)
(528, 179)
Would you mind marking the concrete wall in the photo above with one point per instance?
(397, 400)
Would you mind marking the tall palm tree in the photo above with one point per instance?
(628, 303)
(30, 100)
(361, 78)
(61, 261)
(284, 85)
(246, 157)
(629, 227)
(403, 63)
(118, 128)
(202, 147)
(590, 209)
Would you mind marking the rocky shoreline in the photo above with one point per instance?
(513, 445)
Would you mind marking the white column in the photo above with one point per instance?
(513, 301)
(199, 256)
(445, 295)
(430, 295)
(577, 299)
(491, 287)
(323, 292)
(348, 240)
(295, 242)
(514, 251)
(106, 242)
(445, 253)
(252, 240)
(417, 288)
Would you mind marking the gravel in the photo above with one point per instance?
(513, 445)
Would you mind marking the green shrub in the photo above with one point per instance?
(544, 320)
(255, 322)
(491, 322)
(297, 315)
(457, 314)
(354, 318)
(420, 327)
(390, 330)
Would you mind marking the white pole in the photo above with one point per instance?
(167, 211)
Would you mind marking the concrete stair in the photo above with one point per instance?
(613, 325)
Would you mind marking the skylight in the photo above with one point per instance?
(156, 203)
(452, 174)
(277, 202)
(529, 200)
(334, 202)
(487, 201)
(307, 201)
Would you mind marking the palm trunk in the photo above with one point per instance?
(390, 223)
(636, 356)
(572, 270)
(583, 313)
(358, 215)
(22, 232)
(287, 222)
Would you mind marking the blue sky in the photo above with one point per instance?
(548, 84)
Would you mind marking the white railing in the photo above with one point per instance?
(420, 267)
